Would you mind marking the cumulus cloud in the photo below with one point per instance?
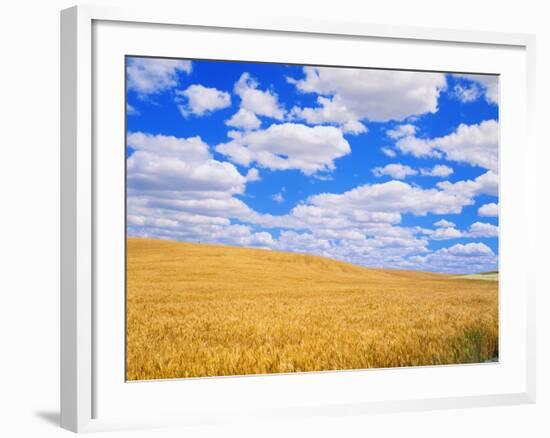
(278, 198)
(377, 251)
(213, 205)
(253, 175)
(354, 127)
(481, 229)
(177, 190)
(288, 146)
(443, 223)
(485, 184)
(303, 242)
(446, 230)
(193, 148)
(244, 119)
(363, 94)
(227, 234)
(395, 170)
(466, 94)
(439, 170)
(446, 233)
(148, 76)
(388, 152)
(376, 209)
(316, 215)
(396, 197)
(468, 249)
(401, 131)
(490, 210)
(487, 83)
(353, 246)
(460, 258)
(256, 101)
(166, 163)
(330, 112)
(174, 183)
(402, 171)
(473, 144)
(200, 100)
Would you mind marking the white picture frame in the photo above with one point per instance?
(86, 377)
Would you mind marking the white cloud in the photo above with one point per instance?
(466, 94)
(244, 119)
(176, 190)
(446, 233)
(354, 127)
(416, 146)
(486, 184)
(352, 246)
(376, 251)
(481, 229)
(302, 242)
(446, 230)
(213, 205)
(395, 170)
(323, 177)
(489, 84)
(131, 110)
(164, 163)
(443, 223)
(192, 148)
(401, 131)
(395, 197)
(262, 103)
(473, 144)
(278, 198)
(148, 171)
(439, 170)
(330, 112)
(388, 152)
(375, 95)
(288, 146)
(360, 225)
(490, 210)
(400, 197)
(227, 234)
(468, 249)
(318, 215)
(460, 258)
(200, 100)
(148, 76)
(253, 175)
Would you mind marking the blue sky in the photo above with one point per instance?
(380, 168)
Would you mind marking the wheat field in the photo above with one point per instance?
(196, 310)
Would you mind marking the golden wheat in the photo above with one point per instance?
(209, 310)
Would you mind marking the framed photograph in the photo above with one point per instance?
(280, 219)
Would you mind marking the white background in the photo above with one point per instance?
(29, 218)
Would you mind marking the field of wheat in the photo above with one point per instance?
(197, 310)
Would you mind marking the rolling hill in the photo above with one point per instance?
(198, 310)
